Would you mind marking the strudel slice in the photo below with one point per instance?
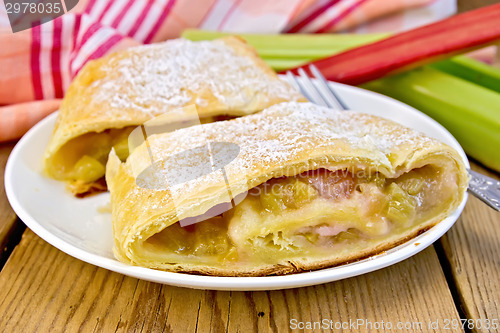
(112, 95)
(296, 187)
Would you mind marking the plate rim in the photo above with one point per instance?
(390, 257)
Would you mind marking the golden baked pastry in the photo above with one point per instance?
(296, 187)
(112, 95)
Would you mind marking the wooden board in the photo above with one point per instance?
(472, 250)
(49, 290)
(10, 227)
(43, 289)
(466, 5)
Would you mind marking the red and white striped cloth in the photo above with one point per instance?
(37, 65)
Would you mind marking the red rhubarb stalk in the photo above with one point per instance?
(413, 48)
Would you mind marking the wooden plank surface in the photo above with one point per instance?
(43, 289)
(7, 215)
(472, 249)
(49, 290)
(466, 5)
(9, 225)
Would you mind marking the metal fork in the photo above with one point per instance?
(319, 91)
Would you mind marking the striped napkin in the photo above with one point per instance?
(37, 65)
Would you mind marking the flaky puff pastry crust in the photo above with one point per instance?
(284, 140)
(129, 87)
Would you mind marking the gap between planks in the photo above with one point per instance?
(470, 256)
(11, 228)
(49, 290)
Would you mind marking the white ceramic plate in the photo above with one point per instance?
(76, 226)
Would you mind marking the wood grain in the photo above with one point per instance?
(43, 289)
(51, 291)
(466, 5)
(472, 248)
(10, 227)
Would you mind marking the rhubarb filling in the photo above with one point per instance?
(308, 214)
(82, 161)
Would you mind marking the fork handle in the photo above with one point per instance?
(485, 189)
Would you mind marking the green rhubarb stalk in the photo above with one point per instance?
(284, 46)
(470, 112)
(284, 51)
(284, 64)
(471, 70)
(414, 48)
(302, 51)
(293, 41)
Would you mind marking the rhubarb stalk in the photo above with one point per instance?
(413, 48)
(471, 70)
(470, 112)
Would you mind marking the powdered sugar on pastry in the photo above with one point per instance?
(289, 127)
(169, 74)
(282, 134)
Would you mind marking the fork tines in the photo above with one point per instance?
(317, 91)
